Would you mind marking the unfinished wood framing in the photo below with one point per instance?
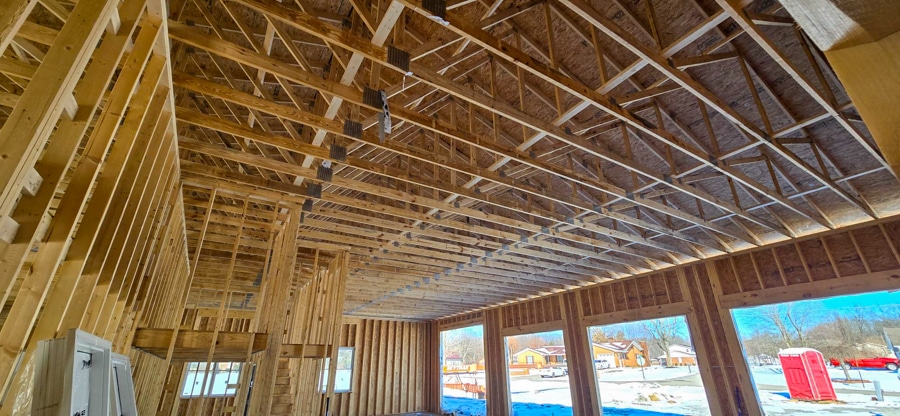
(704, 292)
(547, 204)
(214, 181)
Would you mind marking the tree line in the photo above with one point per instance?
(855, 332)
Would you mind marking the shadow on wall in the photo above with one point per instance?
(460, 406)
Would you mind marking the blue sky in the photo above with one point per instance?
(476, 330)
(638, 330)
(865, 300)
(824, 308)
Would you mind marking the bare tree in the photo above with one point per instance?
(798, 317)
(664, 332)
(772, 314)
(791, 320)
(762, 343)
(468, 345)
(840, 334)
(597, 335)
(512, 346)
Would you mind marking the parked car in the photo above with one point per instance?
(553, 372)
(602, 364)
(888, 363)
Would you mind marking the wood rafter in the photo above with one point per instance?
(212, 185)
(478, 185)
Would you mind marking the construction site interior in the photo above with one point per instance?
(261, 207)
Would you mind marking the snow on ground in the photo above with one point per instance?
(473, 407)
(625, 394)
(778, 403)
(678, 391)
(772, 375)
(856, 398)
(655, 373)
(679, 400)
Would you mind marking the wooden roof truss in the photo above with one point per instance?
(537, 145)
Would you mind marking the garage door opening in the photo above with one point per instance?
(824, 356)
(647, 365)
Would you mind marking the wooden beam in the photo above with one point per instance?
(31, 211)
(764, 19)
(304, 351)
(227, 127)
(658, 62)
(234, 52)
(28, 127)
(12, 16)
(192, 345)
(692, 61)
(573, 87)
(846, 285)
(735, 10)
(25, 308)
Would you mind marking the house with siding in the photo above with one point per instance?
(453, 359)
(680, 355)
(621, 353)
(547, 355)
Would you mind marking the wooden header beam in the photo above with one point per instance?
(194, 346)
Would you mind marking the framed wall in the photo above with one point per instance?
(856, 259)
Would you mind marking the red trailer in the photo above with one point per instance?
(806, 374)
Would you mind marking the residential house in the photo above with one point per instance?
(621, 353)
(556, 354)
(618, 353)
(541, 356)
(453, 359)
(680, 355)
